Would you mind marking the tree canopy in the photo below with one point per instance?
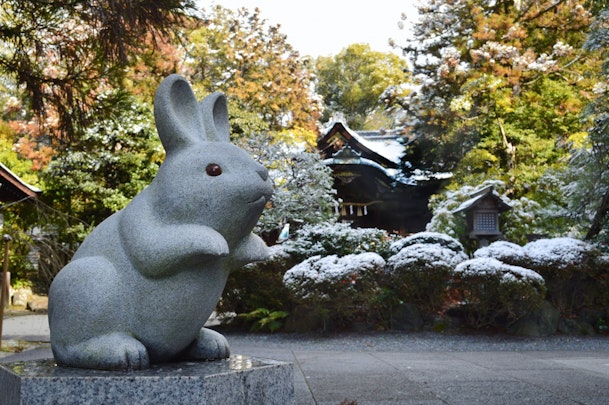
(586, 178)
(513, 91)
(501, 88)
(238, 53)
(359, 81)
(62, 53)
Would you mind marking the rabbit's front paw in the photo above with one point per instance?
(210, 345)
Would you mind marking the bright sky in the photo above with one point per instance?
(325, 27)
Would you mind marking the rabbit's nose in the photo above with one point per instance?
(262, 172)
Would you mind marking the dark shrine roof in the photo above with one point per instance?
(371, 189)
(381, 150)
(12, 188)
(378, 146)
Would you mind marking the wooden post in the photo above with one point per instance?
(4, 285)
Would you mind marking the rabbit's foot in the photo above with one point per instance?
(116, 351)
(209, 345)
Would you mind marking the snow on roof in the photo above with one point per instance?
(393, 174)
(385, 145)
(480, 195)
(421, 175)
(389, 148)
(360, 161)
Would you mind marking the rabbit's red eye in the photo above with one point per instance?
(213, 169)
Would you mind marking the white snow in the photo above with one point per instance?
(388, 147)
(424, 255)
(314, 239)
(318, 269)
(362, 161)
(428, 237)
(277, 252)
(503, 251)
(489, 267)
(558, 252)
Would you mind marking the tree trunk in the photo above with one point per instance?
(599, 217)
(510, 149)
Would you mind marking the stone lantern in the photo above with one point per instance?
(482, 214)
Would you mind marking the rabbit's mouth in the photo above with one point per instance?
(260, 200)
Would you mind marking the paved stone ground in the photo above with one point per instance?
(415, 368)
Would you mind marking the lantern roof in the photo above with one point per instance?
(484, 197)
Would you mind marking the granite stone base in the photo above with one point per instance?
(236, 380)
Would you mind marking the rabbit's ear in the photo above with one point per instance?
(215, 117)
(178, 119)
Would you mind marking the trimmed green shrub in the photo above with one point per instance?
(506, 252)
(419, 274)
(342, 290)
(494, 294)
(575, 273)
(258, 286)
(436, 238)
(337, 239)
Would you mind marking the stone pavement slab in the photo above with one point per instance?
(32, 328)
(402, 368)
(487, 377)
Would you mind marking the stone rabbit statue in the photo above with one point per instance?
(143, 283)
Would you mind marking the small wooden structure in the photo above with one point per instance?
(482, 214)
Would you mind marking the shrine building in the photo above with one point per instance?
(13, 189)
(372, 192)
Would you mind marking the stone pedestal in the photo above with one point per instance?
(237, 380)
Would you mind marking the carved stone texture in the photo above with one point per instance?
(236, 380)
(112, 307)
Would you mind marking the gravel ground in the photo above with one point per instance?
(384, 341)
(419, 342)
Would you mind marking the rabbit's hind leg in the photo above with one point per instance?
(87, 318)
(209, 345)
(115, 351)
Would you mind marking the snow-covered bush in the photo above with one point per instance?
(495, 294)
(523, 219)
(437, 238)
(575, 273)
(341, 289)
(560, 253)
(419, 273)
(506, 252)
(337, 239)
